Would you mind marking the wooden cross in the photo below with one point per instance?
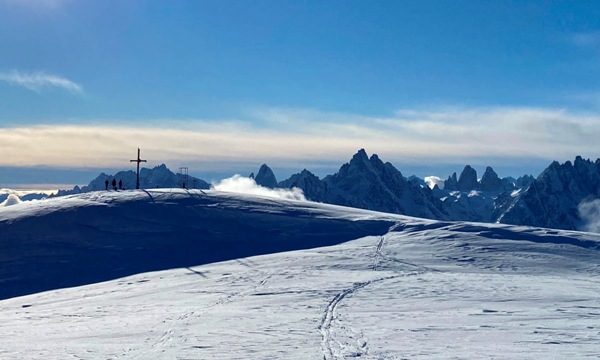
(138, 161)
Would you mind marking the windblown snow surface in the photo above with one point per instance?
(175, 274)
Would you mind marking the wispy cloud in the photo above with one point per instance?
(38, 81)
(48, 4)
(296, 138)
(590, 39)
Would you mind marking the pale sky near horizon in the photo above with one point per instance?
(224, 86)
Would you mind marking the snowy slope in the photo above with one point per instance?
(96, 236)
(386, 287)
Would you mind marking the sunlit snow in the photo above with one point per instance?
(352, 284)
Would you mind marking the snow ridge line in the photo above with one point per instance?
(329, 316)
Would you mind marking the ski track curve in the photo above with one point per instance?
(329, 315)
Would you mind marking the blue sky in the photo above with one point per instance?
(224, 86)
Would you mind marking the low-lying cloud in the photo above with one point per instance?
(12, 199)
(432, 181)
(589, 213)
(38, 81)
(245, 185)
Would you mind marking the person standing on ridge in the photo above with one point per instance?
(120, 184)
(114, 184)
(106, 184)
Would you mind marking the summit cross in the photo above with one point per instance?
(138, 161)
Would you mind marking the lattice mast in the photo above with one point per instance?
(183, 176)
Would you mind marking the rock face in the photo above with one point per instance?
(369, 183)
(467, 199)
(524, 181)
(490, 180)
(552, 200)
(468, 179)
(451, 183)
(265, 177)
(313, 188)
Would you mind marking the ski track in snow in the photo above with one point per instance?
(329, 316)
(355, 345)
(327, 342)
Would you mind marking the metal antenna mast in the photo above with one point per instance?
(138, 161)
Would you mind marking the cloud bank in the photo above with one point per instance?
(306, 138)
(244, 185)
(39, 80)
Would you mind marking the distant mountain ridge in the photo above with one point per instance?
(159, 176)
(551, 200)
(369, 183)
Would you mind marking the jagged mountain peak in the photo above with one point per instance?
(372, 184)
(265, 177)
(451, 183)
(468, 179)
(306, 172)
(490, 180)
(554, 197)
(360, 155)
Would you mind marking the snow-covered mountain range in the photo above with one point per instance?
(563, 196)
(174, 274)
(369, 183)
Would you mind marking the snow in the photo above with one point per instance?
(354, 283)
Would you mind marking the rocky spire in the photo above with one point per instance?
(265, 177)
(490, 180)
(468, 179)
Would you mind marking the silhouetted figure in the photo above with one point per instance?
(106, 184)
(114, 184)
(120, 184)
